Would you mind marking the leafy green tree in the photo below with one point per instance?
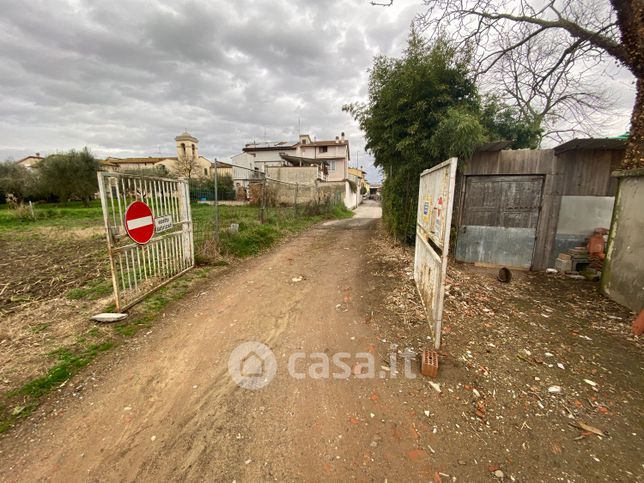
(205, 188)
(503, 122)
(225, 187)
(70, 175)
(16, 180)
(422, 108)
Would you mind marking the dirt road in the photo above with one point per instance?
(165, 406)
(170, 410)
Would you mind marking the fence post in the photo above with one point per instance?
(317, 193)
(262, 215)
(297, 186)
(216, 207)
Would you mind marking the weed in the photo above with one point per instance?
(36, 329)
(93, 291)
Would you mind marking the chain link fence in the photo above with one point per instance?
(240, 209)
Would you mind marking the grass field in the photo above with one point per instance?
(251, 238)
(54, 274)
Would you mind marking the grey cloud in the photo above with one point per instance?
(124, 77)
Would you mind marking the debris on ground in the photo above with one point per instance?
(531, 371)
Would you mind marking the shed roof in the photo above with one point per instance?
(493, 146)
(608, 144)
(307, 161)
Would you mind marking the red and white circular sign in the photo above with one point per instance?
(139, 222)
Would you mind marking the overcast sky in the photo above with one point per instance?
(125, 77)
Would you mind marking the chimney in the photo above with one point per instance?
(337, 139)
(342, 137)
(37, 155)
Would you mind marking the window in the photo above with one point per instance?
(194, 151)
(324, 149)
(183, 148)
(332, 167)
(205, 172)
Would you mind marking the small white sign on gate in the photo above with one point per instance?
(163, 223)
(433, 224)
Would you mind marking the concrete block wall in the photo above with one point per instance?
(623, 271)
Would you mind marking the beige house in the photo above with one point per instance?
(334, 154)
(188, 162)
(30, 162)
(358, 176)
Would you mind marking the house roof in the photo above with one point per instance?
(327, 143)
(350, 168)
(269, 146)
(186, 136)
(147, 160)
(33, 156)
(608, 144)
(221, 164)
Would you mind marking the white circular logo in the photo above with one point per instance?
(252, 365)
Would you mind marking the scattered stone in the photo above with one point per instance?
(436, 386)
(106, 317)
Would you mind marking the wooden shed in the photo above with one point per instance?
(520, 208)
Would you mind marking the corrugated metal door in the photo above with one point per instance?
(499, 222)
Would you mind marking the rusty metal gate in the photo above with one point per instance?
(433, 226)
(138, 270)
(499, 220)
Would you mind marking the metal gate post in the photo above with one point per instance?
(184, 213)
(108, 235)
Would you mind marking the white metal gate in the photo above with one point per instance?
(138, 270)
(433, 225)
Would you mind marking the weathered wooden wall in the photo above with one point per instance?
(575, 172)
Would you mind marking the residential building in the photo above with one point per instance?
(332, 157)
(335, 153)
(188, 162)
(30, 162)
(358, 176)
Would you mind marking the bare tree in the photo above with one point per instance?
(186, 165)
(595, 29)
(553, 84)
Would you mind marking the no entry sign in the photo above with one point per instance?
(139, 222)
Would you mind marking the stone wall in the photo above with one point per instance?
(288, 194)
